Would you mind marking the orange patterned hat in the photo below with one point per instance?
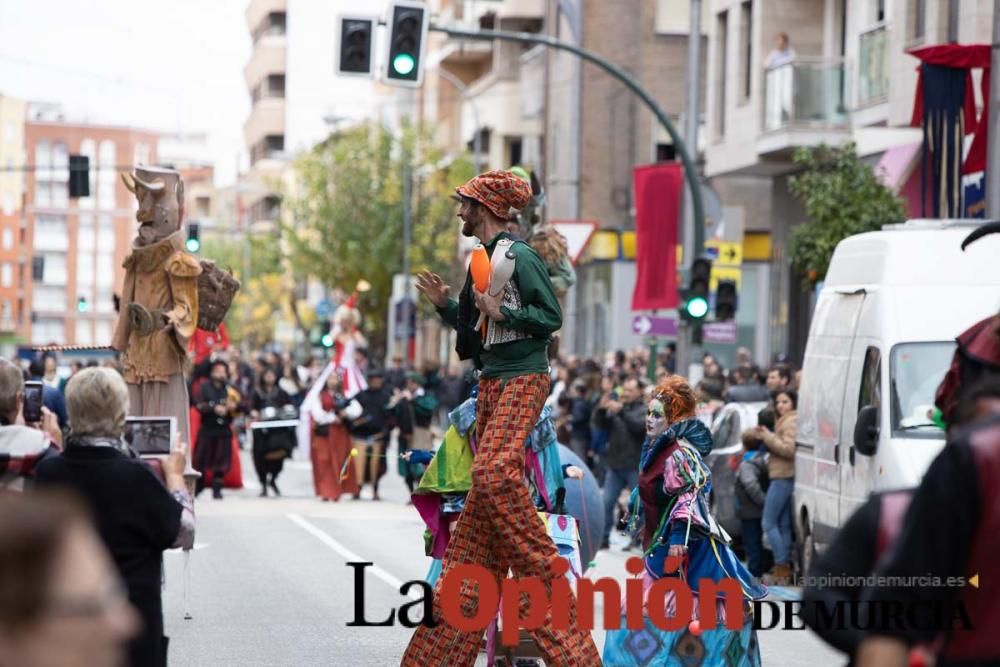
(500, 191)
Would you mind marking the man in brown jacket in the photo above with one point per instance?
(159, 306)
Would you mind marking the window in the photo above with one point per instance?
(953, 20)
(746, 46)
(43, 186)
(106, 276)
(102, 331)
(721, 38)
(85, 236)
(141, 154)
(85, 275)
(6, 314)
(6, 275)
(50, 233)
(55, 268)
(48, 330)
(84, 332)
(49, 299)
(915, 370)
(104, 301)
(106, 175)
(871, 392)
(8, 238)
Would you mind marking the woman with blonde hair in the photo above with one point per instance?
(682, 540)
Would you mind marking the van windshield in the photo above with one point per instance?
(915, 371)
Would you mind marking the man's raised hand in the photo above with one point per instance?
(431, 285)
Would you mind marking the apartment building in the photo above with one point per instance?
(11, 201)
(596, 132)
(848, 79)
(73, 249)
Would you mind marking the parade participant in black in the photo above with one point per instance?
(951, 531)
(268, 457)
(370, 431)
(214, 449)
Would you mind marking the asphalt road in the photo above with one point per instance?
(270, 584)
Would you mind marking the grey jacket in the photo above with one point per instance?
(751, 487)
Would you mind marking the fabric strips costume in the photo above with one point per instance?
(499, 529)
(672, 499)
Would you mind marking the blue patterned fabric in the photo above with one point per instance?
(464, 416)
(544, 433)
(653, 647)
(692, 430)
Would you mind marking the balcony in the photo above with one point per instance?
(873, 66)
(804, 105)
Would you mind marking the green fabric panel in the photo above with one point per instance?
(450, 471)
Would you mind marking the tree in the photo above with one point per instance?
(346, 213)
(842, 196)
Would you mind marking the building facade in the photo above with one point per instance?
(73, 249)
(848, 78)
(12, 175)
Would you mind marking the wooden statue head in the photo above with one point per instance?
(160, 193)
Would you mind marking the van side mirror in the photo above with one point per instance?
(866, 431)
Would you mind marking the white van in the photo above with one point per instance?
(881, 341)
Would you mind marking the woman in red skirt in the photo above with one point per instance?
(333, 473)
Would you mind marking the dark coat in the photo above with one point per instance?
(626, 431)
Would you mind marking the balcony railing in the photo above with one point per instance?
(873, 71)
(805, 93)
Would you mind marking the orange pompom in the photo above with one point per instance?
(480, 268)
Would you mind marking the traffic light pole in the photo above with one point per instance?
(694, 233)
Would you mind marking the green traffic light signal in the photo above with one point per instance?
(192, 245)
(81, 305)
(403, 64)
(696, 307)
(327, 340)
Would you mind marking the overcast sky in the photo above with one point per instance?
(168, 65)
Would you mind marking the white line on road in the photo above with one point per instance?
(349, 555)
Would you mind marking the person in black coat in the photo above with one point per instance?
(370, 431)
(137, 515)
(214, 451)
(272, 446)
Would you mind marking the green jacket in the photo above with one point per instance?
(539, 317)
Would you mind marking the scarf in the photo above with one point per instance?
(693, 430)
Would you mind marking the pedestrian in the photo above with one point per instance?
(334, 473)
(52, 398)
(672, 500)
(499, 527)
(625, 422)
(958, 496)
(778, 378)
(270, 446)
(62, 604)
(395, 376)
(213, 452)
(138, 515)
(581, 411)
(747, 389)
(751, 490)
(50, 374)
(22, 446)
(413, 409)
(777, 519)
(370, 431)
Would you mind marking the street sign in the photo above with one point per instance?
(406, 329)
(654, 326)
(719, 332)
(324, 309)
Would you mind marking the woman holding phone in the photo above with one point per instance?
(138, 515)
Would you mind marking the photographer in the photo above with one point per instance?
(22, 447)
(138, 517)
(213, 453)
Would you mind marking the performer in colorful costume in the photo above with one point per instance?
(672, 498)
(499, 529)
(159, 302)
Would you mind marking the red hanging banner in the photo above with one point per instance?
(657, 206)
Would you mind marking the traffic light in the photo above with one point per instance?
(79, 176)
(695, 306)
(355, 57)
(407, 37)
(326, 340)
(725, 300)
(81, 304)
(193, 243)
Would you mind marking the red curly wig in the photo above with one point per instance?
(678, 398)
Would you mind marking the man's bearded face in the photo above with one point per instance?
(471, 215)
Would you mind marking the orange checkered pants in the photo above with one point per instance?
(500, 530)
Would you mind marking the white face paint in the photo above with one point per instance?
(656, 418)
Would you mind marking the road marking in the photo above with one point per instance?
(349, 555)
